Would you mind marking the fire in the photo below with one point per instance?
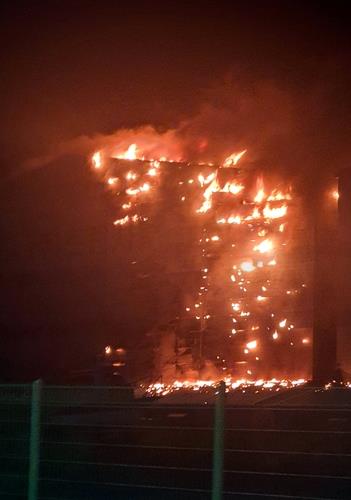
(252, 345)
(141, 189)
(242, 384)
(206, 180)
(126, 219)
(264, 247)
(260, 195)
(234, 158)
(129, 154)
(278, 196)
(214, 187)
(233, 219)
(247, 266)
(131, 176)
(111, 181)
(97, 160)
(240, 243)
(335, 194)
(275, 212)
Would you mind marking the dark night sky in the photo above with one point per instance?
(76, 68)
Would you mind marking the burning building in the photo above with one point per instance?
(241, 270)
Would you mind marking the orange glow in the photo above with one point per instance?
(214, 187)
(205, 180)
(264, 247)
(111, 181)
(130, 154)
(161, 389)
(278, 196)
(274, 213)
(260, 195)
(252, 345)
(247, 266)
(238, 244)
(152, 172)
(97, 160)
(335, 194)
(233, 219)
(131, 176)
(234, 158)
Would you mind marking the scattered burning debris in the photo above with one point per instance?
(250, 313)
(160, 389)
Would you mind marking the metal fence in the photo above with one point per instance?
(99, 443)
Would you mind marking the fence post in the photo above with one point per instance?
(34, 441)
(218, 444)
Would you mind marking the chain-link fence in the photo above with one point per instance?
(100, 443)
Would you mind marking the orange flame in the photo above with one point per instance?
(234, 158)
(97, 160)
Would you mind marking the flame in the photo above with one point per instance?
(278, 196)
(111, 181)
(206, 180)
(129, 154)
(256, 214)
(141, 189)
(234, 158)
(260, 195)
(335, 194)
(252, 345)
(161, 389)
(232, 219)
(127, 218)
(264, 247)
(275, 212)
(131, 176)
(97, 160)
(247, 266)
(251, 223)
(214, 187)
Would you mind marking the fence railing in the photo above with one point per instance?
(81, 439)
(94, 443)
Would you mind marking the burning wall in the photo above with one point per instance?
(243, 274)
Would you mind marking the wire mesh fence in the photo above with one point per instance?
(15, 413)
(100, 443)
